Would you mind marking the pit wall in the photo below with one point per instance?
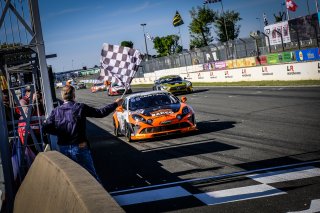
(55, 183)
(202, 73)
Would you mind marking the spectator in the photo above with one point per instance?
(25, 102)
(68, 122)
(11, 114)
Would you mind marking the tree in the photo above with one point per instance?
(167, 45)
(199, 28)
(280, 17)
(227, 20)
(127, 44)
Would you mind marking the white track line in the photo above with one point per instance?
(286, 175)
(214, 177)
(152, 195)
(237, 194)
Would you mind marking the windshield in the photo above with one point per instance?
(115, 85)
(149, 101)
(170, 79)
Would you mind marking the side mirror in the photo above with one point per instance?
(119, 109)
(183, 99)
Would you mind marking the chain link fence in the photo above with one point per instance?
(240, 48)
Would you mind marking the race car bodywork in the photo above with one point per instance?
(80, 85)
(174, 84)
(152, 114)
(98, 87)
(116, 89)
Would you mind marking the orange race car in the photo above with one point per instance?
(98, 87)
(151, 114)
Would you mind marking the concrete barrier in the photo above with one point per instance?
(55, 183)
(293, 71)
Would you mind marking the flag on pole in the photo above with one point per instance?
(119, 64)
(291, 5)
(151, 38)
(177, 20)
(265, 20)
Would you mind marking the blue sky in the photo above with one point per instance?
(76, 30)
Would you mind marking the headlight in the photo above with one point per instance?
(185, 110)
(189, 84)
(138, 118)
(179, 117)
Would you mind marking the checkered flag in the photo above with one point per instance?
(119, 64)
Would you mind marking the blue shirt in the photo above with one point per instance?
(68, 121)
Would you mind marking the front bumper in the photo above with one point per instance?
(187, 124)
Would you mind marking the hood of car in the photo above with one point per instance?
(175, 84)
(160, 110)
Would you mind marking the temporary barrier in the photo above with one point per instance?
(283, 72)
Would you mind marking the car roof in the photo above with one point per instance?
(147, 93)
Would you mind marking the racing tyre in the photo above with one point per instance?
(116, 130)
(127, 132)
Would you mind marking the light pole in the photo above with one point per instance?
(145, 39)
(259, 20)
(224, 21)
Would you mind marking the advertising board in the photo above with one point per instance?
(275, 38)
(308, 54)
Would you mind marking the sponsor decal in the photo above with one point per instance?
(161, 112)
(245, 74)
(265, 71)
(290, 70)
(261, 60)
(166, 122)
(212, 76)
(208, 66)
(308, 54)
(188, 76)
(227, 75)
(220, 65)
(199, 76)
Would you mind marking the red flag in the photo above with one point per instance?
(291, 5)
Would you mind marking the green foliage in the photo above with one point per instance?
(280, 17)
(127, 44)
(199, 28)
(167, 45)
(227, 22)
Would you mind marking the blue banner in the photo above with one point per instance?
(308, 54)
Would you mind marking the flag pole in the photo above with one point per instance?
(288, 16)
(125, 90)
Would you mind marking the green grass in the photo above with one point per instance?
(249, 83)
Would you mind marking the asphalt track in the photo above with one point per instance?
(257, 150)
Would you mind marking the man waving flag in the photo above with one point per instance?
(119, 64)
(177, 20)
